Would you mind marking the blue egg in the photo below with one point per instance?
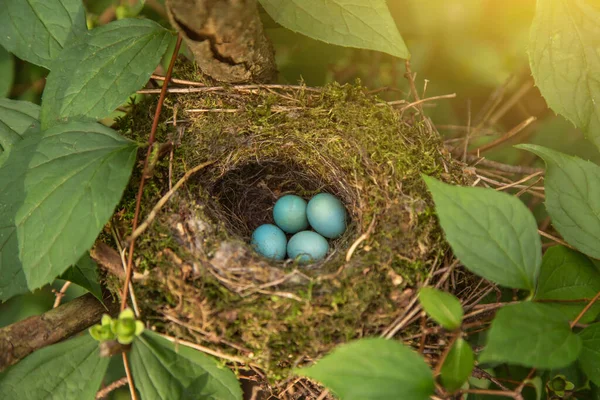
(289, 213)
(327, 215)
(270, 241)
(307, 247)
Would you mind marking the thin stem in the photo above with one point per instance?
(61, 294)
(138, 200)
(492, 392)
(440, 362)
(508, 135)
(585, 309)
(113, 386)
(129, 377)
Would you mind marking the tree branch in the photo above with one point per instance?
(226, 38)
(24, 337)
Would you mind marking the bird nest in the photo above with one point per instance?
(226, 155)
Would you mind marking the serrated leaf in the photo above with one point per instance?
(15, 118)
(7, 72)
(458, 365)
(369, 369)
(37, 30)
(57, 190)
(492, 233)
(363, 24)
(572, 188)
(568, 275)
(531, 335)
(442, 307)
(564, 59)
(163, 371)
(99, 71)
(84, 273)
(589, 359)
(68, 370)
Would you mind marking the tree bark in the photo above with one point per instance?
(226, 38)
(24, 337)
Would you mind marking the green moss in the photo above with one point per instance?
(337, 139)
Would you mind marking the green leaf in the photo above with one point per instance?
(68, 370)
(572, 188)
(362, 24)
(589, 359)
(564, 42)
(531, 335)
(37, 30)
(538, 385)
(442, 307)
(373, 369)
(57, 190)
(7, 72)
(100, 70)
(458, 365)
(84, 274)
(492, 233)
(163, 371)
(15, 118)
(568, 275)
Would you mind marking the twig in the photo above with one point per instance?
(514, 169)
(585, 309)
(555, 239)
(489, 392)
(511, 102)
(469, 132)
(529, 189)
(234, 87)
(481, 373)
(178, 81)
(528, 177)
(440, 363)
(24, 337)
(411, 81)
(163, 200)
(208, 336)
(138, 201)
(113, 386)
(410, 312)
(508, 135)
(61, 294)
(205, 349)
(424, 332)
(421, 101)
(360, 239)
(323, 395)
(129, 376)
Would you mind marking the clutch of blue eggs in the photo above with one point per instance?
(324, 213)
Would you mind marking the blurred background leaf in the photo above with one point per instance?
(7, 72)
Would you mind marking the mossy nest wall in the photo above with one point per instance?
(206, 284)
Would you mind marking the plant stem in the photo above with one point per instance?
(440, 362)
(585, 309)
(138, 200)
(129, 377)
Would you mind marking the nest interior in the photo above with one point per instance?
(206, 284)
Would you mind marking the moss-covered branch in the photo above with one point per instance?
(24, 337)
